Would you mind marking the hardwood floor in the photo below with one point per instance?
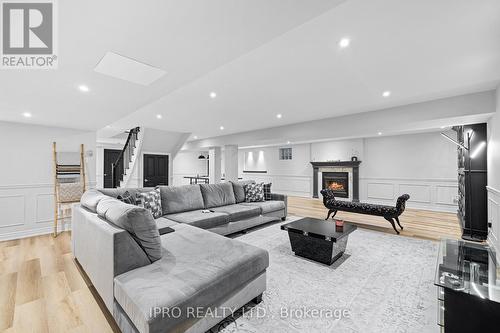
(416, 223)
(43, 290)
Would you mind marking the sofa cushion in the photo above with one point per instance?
(238, 211)
(177, 199)
(137, 221)
(239, 191)
(91, 198)
(201, 220)
(198, 269)
(215, 195)
(267, 206)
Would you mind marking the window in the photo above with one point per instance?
(285, 153)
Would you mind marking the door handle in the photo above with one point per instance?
(146, 180)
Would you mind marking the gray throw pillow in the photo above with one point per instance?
(152, 202)
(254, 192)
(239, 189)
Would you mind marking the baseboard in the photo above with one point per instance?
(20, 234)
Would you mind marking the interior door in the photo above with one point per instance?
(110, 157)
(155, 170)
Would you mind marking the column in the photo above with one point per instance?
(214, 161)
(231, 162)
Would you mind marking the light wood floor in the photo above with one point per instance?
(43, 290)
(416, 223)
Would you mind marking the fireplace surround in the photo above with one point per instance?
(350, 167)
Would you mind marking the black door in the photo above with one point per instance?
(155, 170)
(110, 157)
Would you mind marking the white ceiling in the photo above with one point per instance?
(260, 57)
(186, 38)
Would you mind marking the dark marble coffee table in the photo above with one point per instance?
(318, 240)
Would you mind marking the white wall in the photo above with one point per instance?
(494, 176)
(26, 180)
(186, 163)
(423, 165)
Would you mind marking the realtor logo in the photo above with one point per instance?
(28, 35)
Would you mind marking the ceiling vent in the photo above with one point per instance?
(127, 69)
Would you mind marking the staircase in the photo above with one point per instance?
(127, 159)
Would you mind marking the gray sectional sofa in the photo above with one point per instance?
(143, 274)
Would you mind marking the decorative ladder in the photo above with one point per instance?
(124, 158)
(69, 184)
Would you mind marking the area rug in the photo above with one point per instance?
(383, 283)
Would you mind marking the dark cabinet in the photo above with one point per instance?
(472, 180)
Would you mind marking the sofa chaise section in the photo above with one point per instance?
(199, 269)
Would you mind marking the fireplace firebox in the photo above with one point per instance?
(338, 182)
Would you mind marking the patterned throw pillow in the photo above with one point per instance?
(127, 198)
(152, 202)
(267, 191)
(254, 192)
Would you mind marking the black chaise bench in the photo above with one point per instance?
(390, 213)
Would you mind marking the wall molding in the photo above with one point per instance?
(32, 232)
(434, 194)
(34, 216)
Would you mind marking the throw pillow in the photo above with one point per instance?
(152, 202)
(254, 192)
(267, 191)
(127, 198)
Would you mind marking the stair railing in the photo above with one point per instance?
(124, 158)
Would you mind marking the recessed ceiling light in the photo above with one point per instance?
(379, 133)
(386, 93)
(344, 42)
(83, 88)
(108, 126)
(288, 142)
(221, 128)
(159, 116)
(195, 137)
(27, 115)
(213, 95)
(279, 116)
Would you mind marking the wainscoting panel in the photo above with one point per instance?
(494, 217)
(428, 194)
(300, 186)
(13, 210)
(446, 194)
(44, 207)
(27, 210)
(419, 193)
(377, 191)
